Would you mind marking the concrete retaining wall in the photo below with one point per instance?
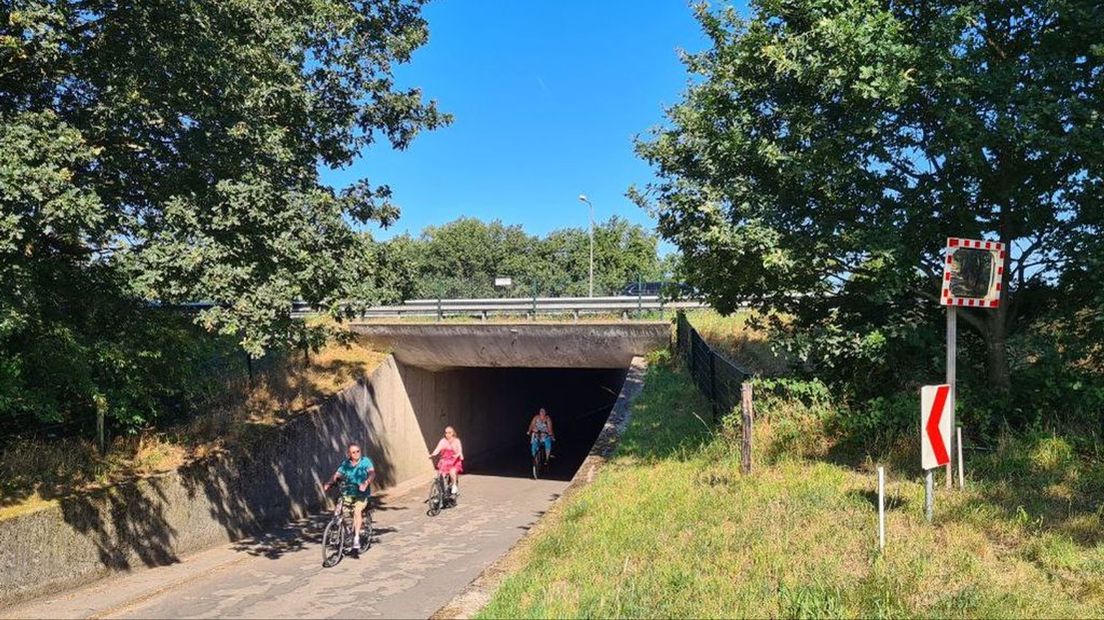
(154, 521)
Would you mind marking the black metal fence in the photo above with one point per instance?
(718, 377)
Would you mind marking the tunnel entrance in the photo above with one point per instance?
(490, 408)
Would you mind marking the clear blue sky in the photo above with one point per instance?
(547, 96)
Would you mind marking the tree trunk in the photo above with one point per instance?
(996, 327)
(996, 348)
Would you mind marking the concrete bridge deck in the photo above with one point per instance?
(436, 346)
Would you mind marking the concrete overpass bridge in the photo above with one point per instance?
(239, 537)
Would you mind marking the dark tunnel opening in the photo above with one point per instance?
(490, 408)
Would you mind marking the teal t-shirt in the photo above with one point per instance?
(352, 476)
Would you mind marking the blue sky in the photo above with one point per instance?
(547, 96)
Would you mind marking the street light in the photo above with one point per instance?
(583, 198)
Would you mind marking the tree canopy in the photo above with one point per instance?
(163, 152)
(461, 259)
(183, 142)
(829, 148)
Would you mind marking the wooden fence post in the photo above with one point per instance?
(101, 439)
(747, 416)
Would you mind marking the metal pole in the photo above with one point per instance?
(929, 494)
(961, 474)
(952, 345)
(639, 295)
(591, 248)
(881, 507)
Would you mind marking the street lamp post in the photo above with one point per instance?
(583, 198)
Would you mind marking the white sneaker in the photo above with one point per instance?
(455, 490)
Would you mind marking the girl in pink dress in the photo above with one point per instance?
(451, 463)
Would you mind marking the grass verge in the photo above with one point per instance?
(669, 528)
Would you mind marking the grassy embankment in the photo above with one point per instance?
(671, 529)
(35, 473)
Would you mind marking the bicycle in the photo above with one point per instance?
(337, 539)
(440, 496)
(540, 459)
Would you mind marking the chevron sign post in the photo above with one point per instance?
(935, 437)
(935, 425)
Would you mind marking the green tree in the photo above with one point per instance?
(169, 152)
(828, 148)
(462, 258)
(201, 127)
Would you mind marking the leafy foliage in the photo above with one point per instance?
(828, 148)
(166, 152)
(462, 258)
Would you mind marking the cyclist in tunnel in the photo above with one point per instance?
(451, 463)
(540, 430)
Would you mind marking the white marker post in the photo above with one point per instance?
(881, 508)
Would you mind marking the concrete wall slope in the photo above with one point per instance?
(152, 522)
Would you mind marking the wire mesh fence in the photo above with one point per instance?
(716, 376)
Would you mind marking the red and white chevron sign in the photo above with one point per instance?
(935, 425)
(972, 273)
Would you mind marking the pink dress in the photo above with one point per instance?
(449, 456)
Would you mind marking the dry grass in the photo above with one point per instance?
(34, 473)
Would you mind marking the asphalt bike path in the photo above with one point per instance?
(415, 565)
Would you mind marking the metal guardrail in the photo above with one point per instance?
(531, 306)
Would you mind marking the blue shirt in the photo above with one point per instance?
(352, 476)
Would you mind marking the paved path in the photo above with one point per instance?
(416, 565)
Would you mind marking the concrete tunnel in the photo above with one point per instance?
(487, 380)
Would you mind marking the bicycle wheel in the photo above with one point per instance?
(333, 542)
(538, 466)
(436, 498)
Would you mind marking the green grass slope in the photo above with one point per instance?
(671, 529)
